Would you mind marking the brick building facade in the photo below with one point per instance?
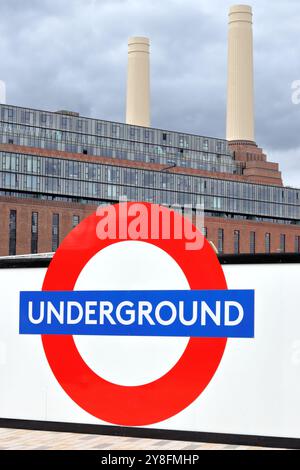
(67, 211)
(48, 183)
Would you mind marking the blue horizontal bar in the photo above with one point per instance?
(192, 313)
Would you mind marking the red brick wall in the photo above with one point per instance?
(46, 209)
(245, 227)
(256, 167)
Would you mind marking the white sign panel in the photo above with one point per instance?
(255, 390)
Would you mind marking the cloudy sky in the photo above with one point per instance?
(72, 54)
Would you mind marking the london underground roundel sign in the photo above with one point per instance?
(175, 390)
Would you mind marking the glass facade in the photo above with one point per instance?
(102, 182)
(56, 131)
(71, 180)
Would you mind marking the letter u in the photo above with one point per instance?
(36, 321)
(193, 320)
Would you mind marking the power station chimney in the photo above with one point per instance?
(138, 82)
(240, 101)
(240, 93)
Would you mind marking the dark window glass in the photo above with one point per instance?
(25, 116)
(252, 242)
(282, 243)
(115, 130)
(220, 240)
(101, 128)
(297, 244)
(55, 231)
(219, 146)
(268, 243)
(205, 144)
(12, 232)
(236, 242)
(64, 122)
(34, 232)
(75, 220)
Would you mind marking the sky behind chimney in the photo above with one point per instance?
(58, 54)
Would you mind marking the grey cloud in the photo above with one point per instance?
(72, 54)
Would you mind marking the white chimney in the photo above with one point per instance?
(240, 93)
(138, 82)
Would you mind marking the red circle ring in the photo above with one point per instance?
(148, 403)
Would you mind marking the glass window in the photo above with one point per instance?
(205, 144)
(55, 231)
(236, 242)
(12, 232)
(204, 231)
(297, 244)
(219, 147)
(64, 122)
(115, 130)
(34, 232)
(252, 243)
(282, 243)
(268, 243)
(75, 220)
(220, 240)
(148, 135)
(43, 118)
(26, 116)
(182, 141)
(101, 128)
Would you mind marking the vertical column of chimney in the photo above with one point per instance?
(240, 100)
(138, 82)
(240, 93)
